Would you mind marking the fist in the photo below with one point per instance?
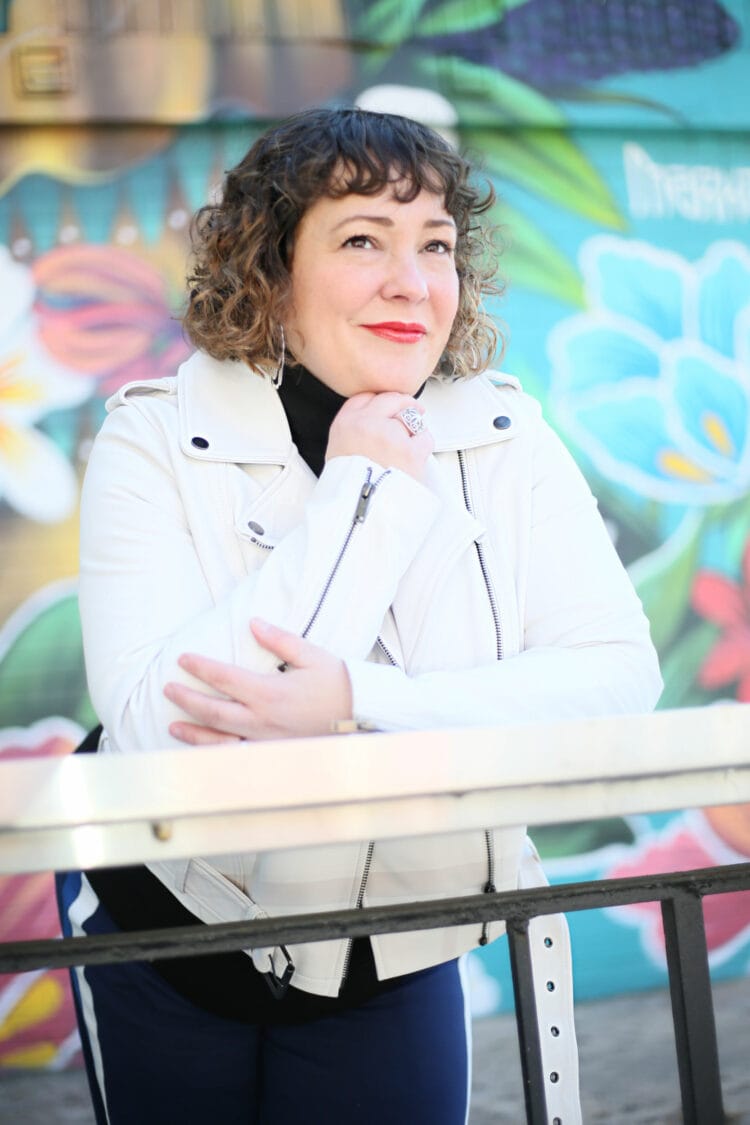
(368, 425)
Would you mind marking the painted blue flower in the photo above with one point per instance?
(653, 381)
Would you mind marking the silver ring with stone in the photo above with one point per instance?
(412, 419)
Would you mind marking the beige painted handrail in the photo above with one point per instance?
(98, 810)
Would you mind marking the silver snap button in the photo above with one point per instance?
(256, 527)
(502, 422)
(199, 442)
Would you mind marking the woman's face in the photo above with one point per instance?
(374, 291)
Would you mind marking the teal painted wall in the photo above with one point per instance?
(617, 136)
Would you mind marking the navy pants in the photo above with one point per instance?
(153, 1057)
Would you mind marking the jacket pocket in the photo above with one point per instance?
(216, 896)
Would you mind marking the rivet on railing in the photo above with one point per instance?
(162, 830)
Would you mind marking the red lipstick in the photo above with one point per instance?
(397, 331)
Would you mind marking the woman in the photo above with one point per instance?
(331, 488)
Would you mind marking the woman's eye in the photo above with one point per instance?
(437, 246)
(359, 241)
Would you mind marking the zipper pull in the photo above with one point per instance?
(364, 499)
(280, 985)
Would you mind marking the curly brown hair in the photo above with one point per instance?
(243, 243)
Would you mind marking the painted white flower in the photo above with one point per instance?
(416, 102)
(36, 478)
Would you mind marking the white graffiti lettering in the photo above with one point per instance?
(700, 193)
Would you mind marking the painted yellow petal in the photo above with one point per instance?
(41, 1001)
(15, 389)
(38, 1055)
(676, 464)
(13, 448)
(717, 433)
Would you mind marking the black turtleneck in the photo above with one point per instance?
(310, 407)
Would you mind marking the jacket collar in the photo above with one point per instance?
(472, 412)
(228, 412)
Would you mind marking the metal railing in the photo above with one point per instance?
(94, 811)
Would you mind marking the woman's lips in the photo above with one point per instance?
(398, 332)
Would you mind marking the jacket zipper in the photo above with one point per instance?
(358, 906)
(387, 653)
(360, 513)
(482, 559)
(489, 886)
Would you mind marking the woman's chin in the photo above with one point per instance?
(400, 382)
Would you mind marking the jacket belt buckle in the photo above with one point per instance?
(280, 985)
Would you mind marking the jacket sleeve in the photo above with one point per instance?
(586, 646)
(145, 599)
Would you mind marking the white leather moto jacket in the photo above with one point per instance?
(489, 594)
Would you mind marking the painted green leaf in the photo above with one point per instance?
(555, 841)
(513, 102)
(664, 578)
(547, 163)
(533, 261)
(679, 668)
(457, 15)
(584, 96)
(42, 672)
(387, 23)
(733, 519)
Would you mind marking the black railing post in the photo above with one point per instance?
(529, 1043)
(692, 1009)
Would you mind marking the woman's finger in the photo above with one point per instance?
(229, 679)
(195, 735)
(219, 714)
(384, 405)
(288, 647)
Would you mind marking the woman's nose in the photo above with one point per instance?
(405, 279)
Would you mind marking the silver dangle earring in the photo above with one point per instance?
(279, 373)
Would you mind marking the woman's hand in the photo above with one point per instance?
(305, 699)
(367, 424)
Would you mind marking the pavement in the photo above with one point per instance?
(627, 1055)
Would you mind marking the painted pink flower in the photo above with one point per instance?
(726, 604)
(105, 311)
(691, 844)
(37, 1019)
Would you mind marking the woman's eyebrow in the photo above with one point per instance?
(385, 221)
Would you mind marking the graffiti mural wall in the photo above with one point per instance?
(618, 138)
